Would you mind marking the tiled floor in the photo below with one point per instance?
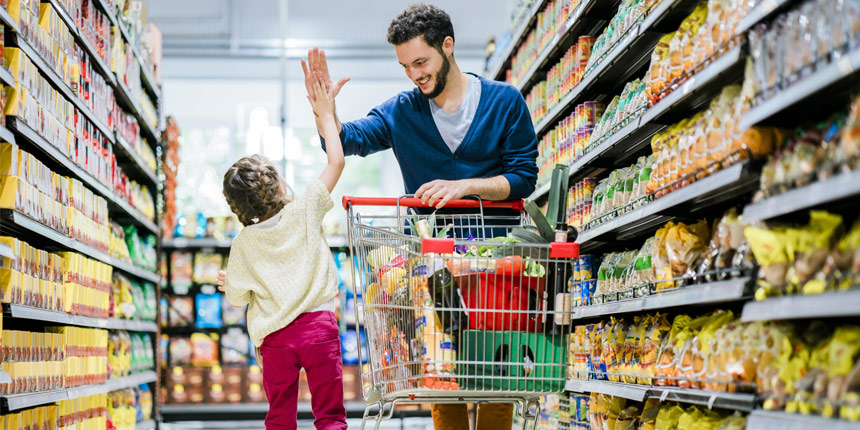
(393, 424)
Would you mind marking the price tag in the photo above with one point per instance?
(711, 401)
(845, 67)
(768, 6)
(664, 395)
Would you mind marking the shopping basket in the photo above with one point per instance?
(454, 313)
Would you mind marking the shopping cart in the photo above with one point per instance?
(453, 313)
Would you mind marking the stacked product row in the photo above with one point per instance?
(119, 410)
(62, 357)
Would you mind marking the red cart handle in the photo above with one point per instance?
(412, 202)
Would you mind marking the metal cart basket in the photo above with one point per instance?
(453, 309)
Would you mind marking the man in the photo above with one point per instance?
(454, 135)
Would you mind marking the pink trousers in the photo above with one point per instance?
(310, 342)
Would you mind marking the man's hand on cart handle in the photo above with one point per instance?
(221, 280)
(439, 192)
(442, 191)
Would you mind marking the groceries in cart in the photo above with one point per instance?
(475, 314)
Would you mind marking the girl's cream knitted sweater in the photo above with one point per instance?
(281, 272)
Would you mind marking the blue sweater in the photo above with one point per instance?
(500, 141)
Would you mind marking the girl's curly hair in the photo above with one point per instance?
(254, 189)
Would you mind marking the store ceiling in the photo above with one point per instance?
(349, 29)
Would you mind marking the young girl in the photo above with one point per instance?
(281, 266)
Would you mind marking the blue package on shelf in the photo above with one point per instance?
(348, 349)
(208, 310)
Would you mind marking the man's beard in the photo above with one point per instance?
(441, 79)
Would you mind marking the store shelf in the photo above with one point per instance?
(51, 76)
(124, 95)
(145, 75)
(145, 425)
(14, 402)
(44, 315)
(840, 187)
(138, 166)
(762, 11)
(810, 97)
(6, 135)
(731, 290)
(205, 242)
(7, 20)
(38, 142)
(27, 400)
(576, 25)
(6, 77)
(769, 420)
(133, 380)
(6, 251)
(729, 183)
(622, 62)
(625, 144)
(497, 73)
(132, 325)
(23, 224)
(827, 305)
(710, 399)
(628, 391)
(699, 89)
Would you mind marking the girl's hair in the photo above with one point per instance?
(254, 189)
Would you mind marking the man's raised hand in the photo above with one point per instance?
(316, 65)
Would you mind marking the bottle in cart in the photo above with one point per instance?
(447, 300)
(557, 296)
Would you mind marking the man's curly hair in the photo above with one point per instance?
(254, 189)
(428, 21)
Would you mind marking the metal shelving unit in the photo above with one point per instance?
(762, 11)
(826, 305)
(797, 101)
(99, 63)
(576, 25)
(44, 315)
(6, 77)
(21, 223)
(769, 420)
(6, 251)
(730, 183)
(51, 76)
(126, 152)
(34, 141)
(28, 400)
(840, 187)
(727, 291)
(632, 140)
(711, 399)
(497, 72)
